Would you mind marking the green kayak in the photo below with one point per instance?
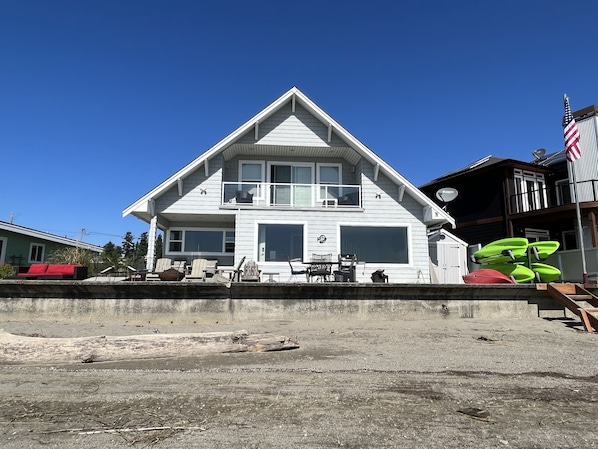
(540, 250)
(520, 273)
(546, 273)
(501, 251)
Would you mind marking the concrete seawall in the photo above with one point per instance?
(188, 302)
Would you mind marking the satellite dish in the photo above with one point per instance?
(447, 194)
(539, 153)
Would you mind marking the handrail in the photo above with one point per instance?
(539, 199)
(267, 194)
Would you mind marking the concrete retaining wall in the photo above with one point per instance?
(205, 303)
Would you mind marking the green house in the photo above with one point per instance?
(21, 246)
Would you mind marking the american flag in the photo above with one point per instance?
(571, 133)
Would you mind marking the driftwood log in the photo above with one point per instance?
(18, 349)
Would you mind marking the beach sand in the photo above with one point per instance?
(462, 383)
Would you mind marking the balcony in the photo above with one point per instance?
(537, 199)
(294, 196)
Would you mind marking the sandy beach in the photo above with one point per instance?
(415, 384)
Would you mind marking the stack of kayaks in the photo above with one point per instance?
(516, 259)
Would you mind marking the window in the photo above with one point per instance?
(537, 235)
(530, 191)
(2, 249)
(563, 192)
(280, 242)
(251, 174)
(175, 243)
(291, 184)
(376, 244)
(36, 253)
(201, 241)
(329, 175)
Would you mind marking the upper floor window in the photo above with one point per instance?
(36, 253)
(329, 176)
(530, 191)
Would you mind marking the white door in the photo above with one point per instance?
(449, 263)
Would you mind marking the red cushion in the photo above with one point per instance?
(37, 268)
(59, 269)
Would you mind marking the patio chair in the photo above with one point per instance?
(346, 268)
(236, 274)
(295, 273)
(162, 265)
(320, 267)
(251, 272)
(243, 196)
(198, 270)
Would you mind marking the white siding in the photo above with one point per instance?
(378, 211)
(586, 168)
(193, 200)
(288, 129)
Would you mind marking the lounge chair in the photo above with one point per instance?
(162, 265)
(198, 270)
(251, 272)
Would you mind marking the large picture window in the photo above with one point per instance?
(280, 242)
(376, 244)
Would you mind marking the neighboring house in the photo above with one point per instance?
(21, 246)
(501, 198)
(289, 183)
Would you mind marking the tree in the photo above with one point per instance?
(158, 250)
(112, 255)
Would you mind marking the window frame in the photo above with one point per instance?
(258, 191)
(408, 237)
(262, 259)
(319, 182)
(226, 244)
(3, 244)
(41, 255)
(526, 200)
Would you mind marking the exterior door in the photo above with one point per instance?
(291, 184)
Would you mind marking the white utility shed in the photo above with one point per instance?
(448, 257)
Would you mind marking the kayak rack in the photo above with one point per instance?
(576, 298)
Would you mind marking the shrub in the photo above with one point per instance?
(6, 270)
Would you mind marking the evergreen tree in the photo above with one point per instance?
(159, 249)
(111, 256)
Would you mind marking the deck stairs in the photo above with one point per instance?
(578, 300)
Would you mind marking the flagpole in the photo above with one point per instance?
(579, 227)
(573, 152)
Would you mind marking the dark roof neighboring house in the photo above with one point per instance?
(488, 162)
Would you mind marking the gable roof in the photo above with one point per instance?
(295, 96)
(17, 229)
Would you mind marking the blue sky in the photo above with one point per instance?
(103, 100)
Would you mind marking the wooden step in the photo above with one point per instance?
(580, 297)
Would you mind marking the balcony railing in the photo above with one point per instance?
(290, 195)
(538, 199)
